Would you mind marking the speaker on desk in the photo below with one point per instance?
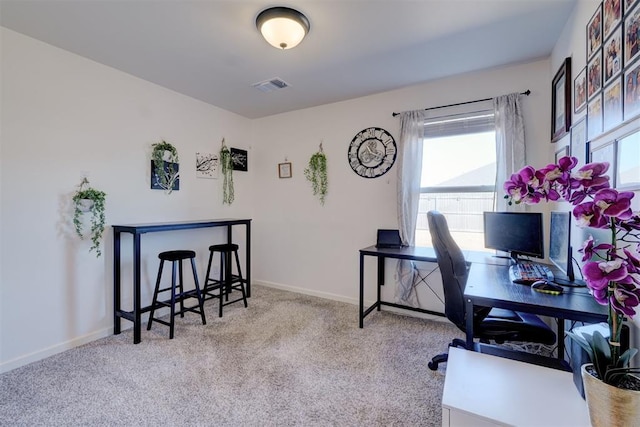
(579, 357)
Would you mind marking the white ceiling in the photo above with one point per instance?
(211, 50)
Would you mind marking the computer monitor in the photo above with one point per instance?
(518, 233)
(560, 252)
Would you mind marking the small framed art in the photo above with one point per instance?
(284, 170)
(579, 141)
(564, 151)
(561, 101)
(594, 32)
(631, 92)
(594, 76)
(604, 153)
(612, 55)
(580, 91)
(631, 42)
(627, 155)
(611, 16)
(594, 117)
(239, 159)
(612, 104)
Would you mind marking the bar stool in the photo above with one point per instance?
(227, 281)
(176, 258)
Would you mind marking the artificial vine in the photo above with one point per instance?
(166, 178)
(316, 173)
(227, 173)
(96, 208)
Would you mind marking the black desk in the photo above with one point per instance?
(490, 286)
(137, 230)
(411, 253)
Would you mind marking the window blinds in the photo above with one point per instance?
(459, 124)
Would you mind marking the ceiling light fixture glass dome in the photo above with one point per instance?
(282, 27)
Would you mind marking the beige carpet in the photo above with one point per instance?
(287, 360)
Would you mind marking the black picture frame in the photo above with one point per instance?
(594, 75)
(631, 90)
(579, 141)
(285, 170)
(631, 41)
(594, 32)
(612, 104)
(155, 179)
(605, 153)
(239, 159)
(561, 101)
(580, 91)
(611, 16)
(612, 55)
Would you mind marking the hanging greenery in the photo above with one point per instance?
(169, 174)
(316, 173)
(88, 199)
(226, 163)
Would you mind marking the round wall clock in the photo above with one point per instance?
(372, 152)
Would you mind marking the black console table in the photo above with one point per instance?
(137, 230)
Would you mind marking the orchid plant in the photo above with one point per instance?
(611, 270)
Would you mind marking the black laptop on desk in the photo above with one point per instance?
(388, 239)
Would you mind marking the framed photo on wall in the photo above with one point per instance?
(594, 117)
(579, 141)
(605, 153)
(594, 75)
(627, 155)
(611, 16)
(580, 91)
(284, 170)
(564, 151)
(594, 32)
(631, 42)
(561, 101)
(632, 92)
(612, 55)
(612, 104)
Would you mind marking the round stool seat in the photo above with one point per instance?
(176, 255)
(226, 247)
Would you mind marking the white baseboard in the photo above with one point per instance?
(53, 350)
(341, 298)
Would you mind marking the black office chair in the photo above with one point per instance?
(489, 324)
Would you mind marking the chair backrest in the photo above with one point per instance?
(453, 267)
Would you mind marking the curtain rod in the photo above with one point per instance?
(526, 92)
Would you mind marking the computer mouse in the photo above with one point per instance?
(546, 287)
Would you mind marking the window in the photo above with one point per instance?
(458, 176)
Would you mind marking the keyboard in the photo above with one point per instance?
(526, 273)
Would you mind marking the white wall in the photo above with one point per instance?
(311, 248)
(62, 116)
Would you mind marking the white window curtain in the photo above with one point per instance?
(409, 173)
(510, 150)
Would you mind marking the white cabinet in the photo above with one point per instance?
(483, 390)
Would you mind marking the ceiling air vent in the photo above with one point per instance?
(270, 85)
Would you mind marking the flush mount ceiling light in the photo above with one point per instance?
(282, 27)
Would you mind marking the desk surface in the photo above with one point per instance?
(490, 284)
(511, 393)
(428, 254)
(177, 225)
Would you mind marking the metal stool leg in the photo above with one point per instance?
(155, 295)
(198, 294)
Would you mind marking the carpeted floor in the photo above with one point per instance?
(287, 360)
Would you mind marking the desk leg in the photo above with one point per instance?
(137, 315)
(361, 290)
(380, 278)
(116, 283)
(560, 338)
(248, 259)
(469, 328)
